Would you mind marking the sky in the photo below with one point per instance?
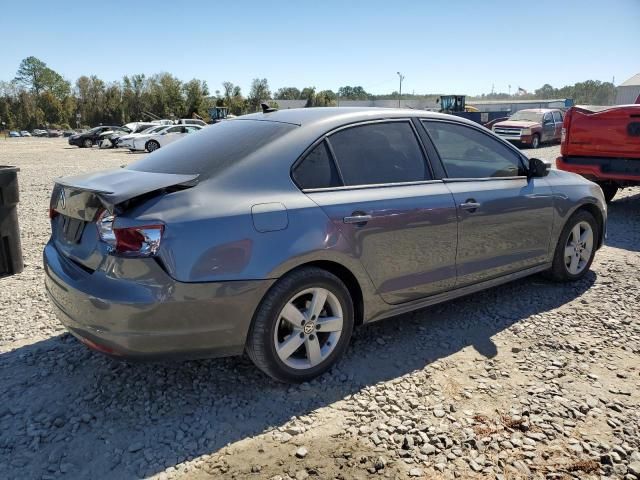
(440, 46)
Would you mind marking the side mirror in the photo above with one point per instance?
(538, 168)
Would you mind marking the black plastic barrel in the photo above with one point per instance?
(10, 250)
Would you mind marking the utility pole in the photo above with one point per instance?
(400, 93)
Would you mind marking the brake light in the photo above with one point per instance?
(141, 241)
(53, 213)
(137, 241)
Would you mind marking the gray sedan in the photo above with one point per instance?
(278, 233)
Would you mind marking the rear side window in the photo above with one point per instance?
(557, 117)
(317, 170)
(470, 153)
(379, 153)
(217, 148)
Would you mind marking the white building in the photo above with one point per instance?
(628, 91)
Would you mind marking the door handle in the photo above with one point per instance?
(358, 219)
(470, 205)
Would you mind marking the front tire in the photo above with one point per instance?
(152, 146)
(302, 326)
(576, 248)
(535, 141)
(87, 143)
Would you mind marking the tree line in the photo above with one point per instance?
(39, 97)
(590, 92)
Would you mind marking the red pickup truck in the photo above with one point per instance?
(603, 145)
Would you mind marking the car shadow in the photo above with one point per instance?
(623, 226)
(64, 408)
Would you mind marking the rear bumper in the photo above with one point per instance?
(149, 315)
(599, 169)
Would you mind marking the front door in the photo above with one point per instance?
(548, 128)
(504, 218)
(399, 222)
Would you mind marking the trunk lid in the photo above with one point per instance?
(76, 203)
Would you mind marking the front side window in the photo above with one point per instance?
(376, 153)
(548, 118)
(317, 170)
(469, 153)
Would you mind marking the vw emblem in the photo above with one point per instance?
(62, 200)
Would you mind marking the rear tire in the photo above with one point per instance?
(576, 248)
(152, 146)
(302, 326)
(609, 190)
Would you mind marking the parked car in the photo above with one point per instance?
(24, 133)
(278, 233)
(68, 133)
(14, 133)
(90, 137)
(53, 133)
(126, 141)
(153, 141)
(40, 133)
(531, 127)
(109, 139)
(603, 145)
(191, 121)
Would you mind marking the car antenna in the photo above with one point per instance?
(267, 109)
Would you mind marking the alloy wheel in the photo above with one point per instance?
(577, 251)
(308, 328)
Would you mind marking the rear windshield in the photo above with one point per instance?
(214, 148)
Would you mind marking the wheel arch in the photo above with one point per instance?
(347, 277)
(597, 214)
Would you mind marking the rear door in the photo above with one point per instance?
(375, 185)
(504, 218)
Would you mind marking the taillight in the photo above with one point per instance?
(138, 241)
(53, 213)
(142, 241)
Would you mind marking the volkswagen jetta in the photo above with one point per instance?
(277, 233)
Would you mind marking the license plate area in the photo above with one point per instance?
(72, 229)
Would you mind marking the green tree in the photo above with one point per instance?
(34, 75)
(196, 92)
(325, 98)
(287, 93)
(353, 93)
(31, 74)
(259, 92)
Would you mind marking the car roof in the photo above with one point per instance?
(320, 115)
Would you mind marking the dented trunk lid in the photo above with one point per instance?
(78, 201)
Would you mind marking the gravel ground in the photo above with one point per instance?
(527, 380)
